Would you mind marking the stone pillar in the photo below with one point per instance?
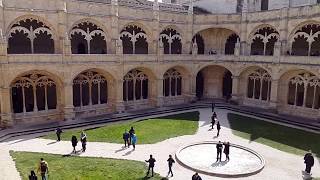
(237, 48)
(3, 46)
(274, 93)
(159, 84)
(119, 96)
(193, 87)
(67, 46)
(235, 88)
(68, 108)
(6, 108)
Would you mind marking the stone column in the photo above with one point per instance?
(68, 108)
(119, 95)
(6, 108)
(159, 84)
(235, 88)
(193, 87)
(274, 93)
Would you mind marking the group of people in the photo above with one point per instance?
(152, 161)
(83, 139)
(214, 120)
(130, 138)
(226, 150)
(74, 140)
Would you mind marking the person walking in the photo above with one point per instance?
(309, 161)
(196, 177)
(83, 139)
(33, 176)
(131, 132)
(170, 162)
(74, 142)
(43, 168)
(226, 150)
(58, 133)
(134, 141)
(213, 119)
(219, 151)
(218, 128)
(151, 162)
(126, 137)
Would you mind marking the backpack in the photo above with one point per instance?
(43, 167)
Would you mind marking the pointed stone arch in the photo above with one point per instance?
(88, 37)
(29, 35)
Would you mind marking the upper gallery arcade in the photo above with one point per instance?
(72, 58)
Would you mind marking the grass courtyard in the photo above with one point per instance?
(280, 137)
(81, 168)
(148, 131)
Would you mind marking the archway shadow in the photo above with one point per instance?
(274, 135)
(119, 150)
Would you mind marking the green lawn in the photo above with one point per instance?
(148, 131)
(280, 137)
(80, 168)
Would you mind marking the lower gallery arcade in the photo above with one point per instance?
(40, 95)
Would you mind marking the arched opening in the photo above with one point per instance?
(172, 83)
(263, 41)
(304, 91)
(305, 41)
(90, 88)
(259, 85)
(33, 92)
(200, 43)
(134, 40)
(215, 40)
(171, 40)
(88, 38)
(199, 85)
(214, 82)
(30, 36)
(227, 84)
(231, 44)
(135, 86)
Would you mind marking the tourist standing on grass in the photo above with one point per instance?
(43, 168)
(151, 162)
(196, 177)
(218, 128)
(219, 151)
(83, 139)
(74, 142)
(131, 132)
(58, 133)
(226, 150)
(134, 141)
(33, 176)
(309, 161)
(170, 162)
(126, 137)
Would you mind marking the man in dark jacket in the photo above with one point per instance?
(213, 119)
(196, 177)
(218, 128)
(309, 161)
(226, 150)
(58, 133)
(219, 151)
(126, 137)
(170, 162)
(131, 132)
(151, 162)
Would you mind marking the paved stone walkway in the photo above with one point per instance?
(279, 165)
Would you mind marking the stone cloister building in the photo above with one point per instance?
(65, 59)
